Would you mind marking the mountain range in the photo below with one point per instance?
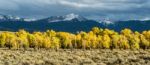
(68, 23)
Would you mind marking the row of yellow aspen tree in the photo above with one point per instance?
(97, 38)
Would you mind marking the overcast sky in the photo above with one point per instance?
(95, 9)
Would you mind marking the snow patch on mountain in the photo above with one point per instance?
(106, 21)
(54, 21)
(29, 20)
(145, 19)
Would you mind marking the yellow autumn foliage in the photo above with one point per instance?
(97, 38)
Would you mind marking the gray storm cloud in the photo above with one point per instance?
(114, 9)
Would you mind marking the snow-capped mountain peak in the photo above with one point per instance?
(9, 17)
(71, 16)
(14, 18)
(1, 17)
(68, 17)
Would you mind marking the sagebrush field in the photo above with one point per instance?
(74, 57)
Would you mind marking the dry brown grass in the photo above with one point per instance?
(74, 57)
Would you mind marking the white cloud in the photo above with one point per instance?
(94, 4)
(103, 4)
(74, 4)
